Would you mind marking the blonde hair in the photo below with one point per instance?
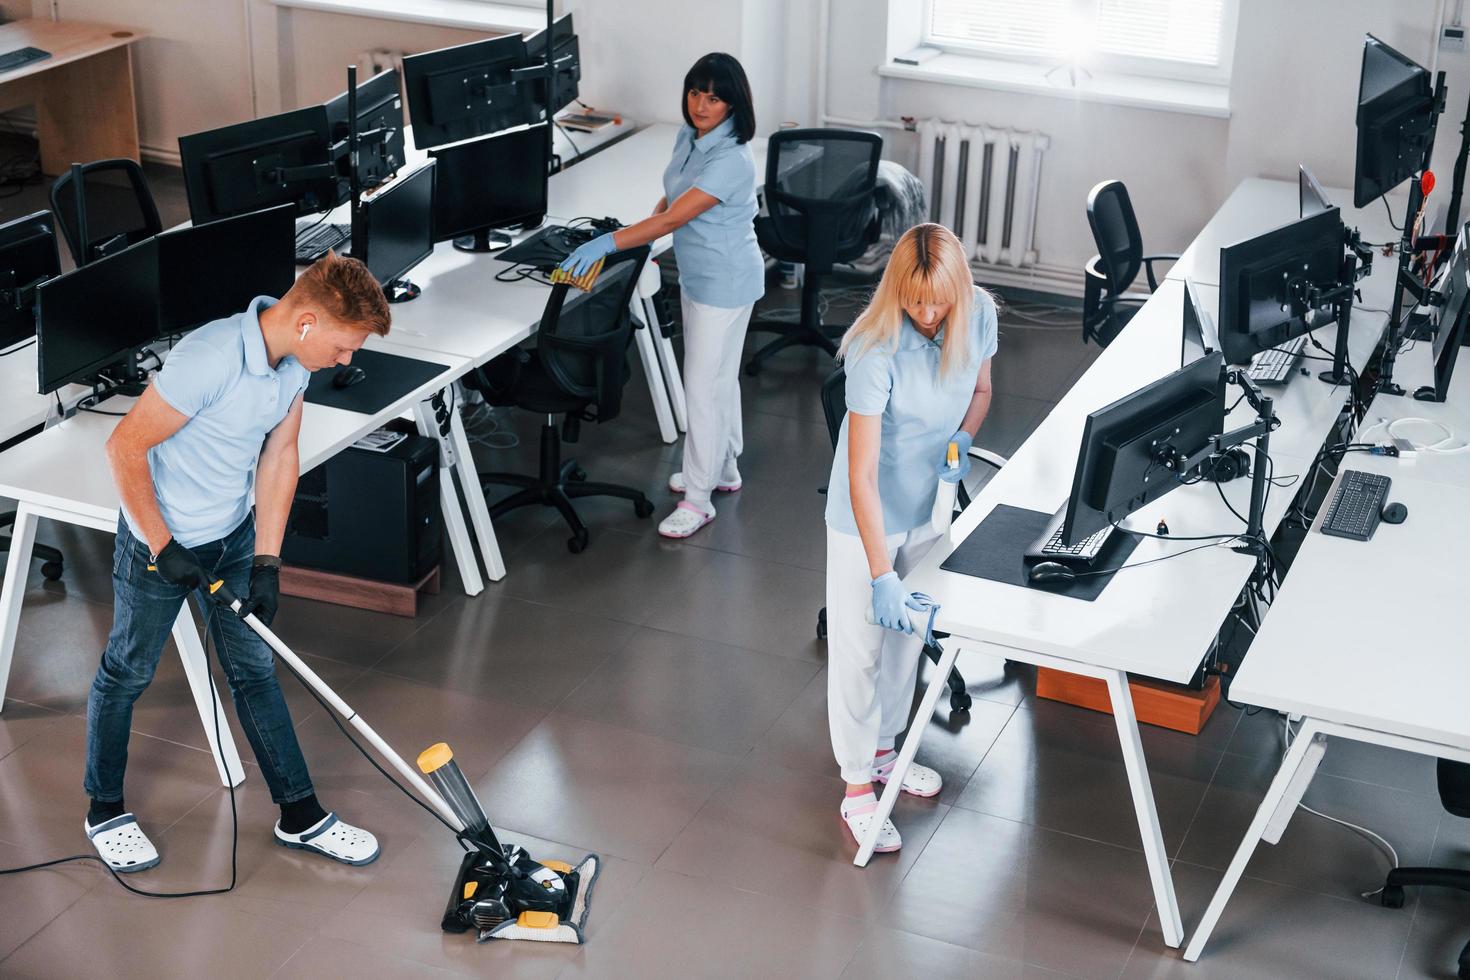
(928, 265)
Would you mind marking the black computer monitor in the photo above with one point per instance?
(1199, 336)
(1396, 110)
(466, 91)
(493, 182)
(1310, 197)
(96, 317)
(28, 257)
(379, 114)
(213, 271)
(1452, 318)
(1118, 464)
(1266, 284)
(566, 62)
(398, 225)
(283, 159)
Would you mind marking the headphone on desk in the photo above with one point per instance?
(1232, 464)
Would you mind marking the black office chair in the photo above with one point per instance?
(1454, 794)
(577, 369)
(1105, 310)
(119, 208)
(834, 407)
(820, 188)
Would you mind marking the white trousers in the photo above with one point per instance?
(714, 338)
(871, 671)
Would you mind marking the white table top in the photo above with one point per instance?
(1156, 620)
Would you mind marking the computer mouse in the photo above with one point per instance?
(1395, 513)
(1050, 571)
(348, 376)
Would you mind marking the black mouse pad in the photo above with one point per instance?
(388, 378)
(996, 550)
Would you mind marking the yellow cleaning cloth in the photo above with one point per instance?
(583, 282)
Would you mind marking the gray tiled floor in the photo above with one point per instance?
(664, 704)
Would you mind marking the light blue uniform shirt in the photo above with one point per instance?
(220, 378)
(920, 412)
(720, 263)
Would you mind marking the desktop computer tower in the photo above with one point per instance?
(370, 513)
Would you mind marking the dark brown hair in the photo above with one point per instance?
(721, 74)
(346, 291)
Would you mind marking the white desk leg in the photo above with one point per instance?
(454, 522)
(12, 594)
(1143, 803)
(206, 698)
(938, 683)
(667, 430)
(673, 380)
(469, 479)
(1279, 785)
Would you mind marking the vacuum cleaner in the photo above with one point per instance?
(499, 891)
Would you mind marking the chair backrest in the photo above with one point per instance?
(1115, 230)
(583, 339)
(1454, 787)
(834, 402)
(119, 205)
(820, 193)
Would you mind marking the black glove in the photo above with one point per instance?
(265, 591)
(177, 565)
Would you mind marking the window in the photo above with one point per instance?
(1190, 39)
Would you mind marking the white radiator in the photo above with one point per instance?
(984, 184)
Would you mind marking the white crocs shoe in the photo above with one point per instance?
(337, 840)
(122, 844)
(858, 814)
(677, 484)
(918, 781)
(685, 519)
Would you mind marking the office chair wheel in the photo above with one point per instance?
(577, 543)
(960, 701)
(643, 508)
(578, 474)
(51, 571)
(1392, 897)
(822, 624)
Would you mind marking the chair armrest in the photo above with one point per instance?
(987, 457)
(1148, 268)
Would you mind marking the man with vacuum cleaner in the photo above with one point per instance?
(220, 419)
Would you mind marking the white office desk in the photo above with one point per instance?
(1396, 678)
(21, 409)
(61, 474)
(1157, 620)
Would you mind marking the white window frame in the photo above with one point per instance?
(1106, 63)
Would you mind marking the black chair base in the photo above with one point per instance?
(1392, 896)
(557, 485)
(959, 697)
(52, 562)
(791, 334)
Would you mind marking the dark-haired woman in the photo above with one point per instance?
(709, 206)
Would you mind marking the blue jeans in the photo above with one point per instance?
(144, 608)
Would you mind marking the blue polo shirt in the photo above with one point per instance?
(220, 378)
(920, 412)
(720, 263)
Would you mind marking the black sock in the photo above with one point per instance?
(101, 812)
(301, 815)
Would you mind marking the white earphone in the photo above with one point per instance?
(304, 330)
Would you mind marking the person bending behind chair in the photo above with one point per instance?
(709, 206)
(220, 419)
(918, 378)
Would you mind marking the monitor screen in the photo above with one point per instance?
(466, 91)
(1311, 198)
(214, 271)
(96, 315)
(28, 256)
(1199, 332)
(400, 225)
(493, 182)
(282, 159)
(379, 112)
(1396, 110)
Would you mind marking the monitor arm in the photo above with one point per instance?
(18, 296)
(297, 175)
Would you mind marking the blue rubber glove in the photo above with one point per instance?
(588, 253)
(891, 603)
(963, 440)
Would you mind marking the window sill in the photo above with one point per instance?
(1168, 95)
(500, 18)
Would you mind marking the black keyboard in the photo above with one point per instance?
(1357, 505)
(313, 241)
(19, 58)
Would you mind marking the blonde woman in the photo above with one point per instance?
(918, 378)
